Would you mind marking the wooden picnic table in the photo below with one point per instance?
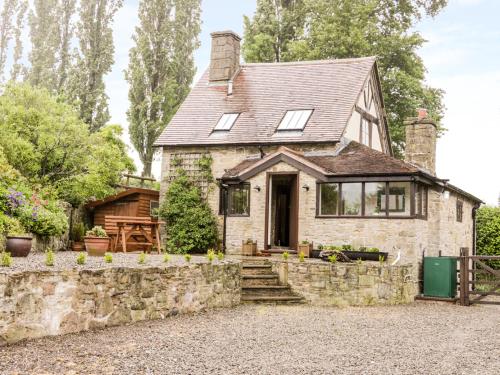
(136, 226)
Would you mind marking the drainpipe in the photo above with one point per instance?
(474, 229)
(224, 210)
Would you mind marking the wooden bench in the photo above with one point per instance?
(142, 230)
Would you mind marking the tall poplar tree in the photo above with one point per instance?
(292, 30)
(94, 60)
(44, 35)
(66, 10)
(17, 67)
(161, 69)
(6, 30)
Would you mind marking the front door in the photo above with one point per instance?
(282, 205)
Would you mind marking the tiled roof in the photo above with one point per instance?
(353, 159)
(262, 93)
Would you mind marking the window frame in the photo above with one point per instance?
(413, 213)
(310, 110)
(232, 124)
(459, 211)
(225, 198)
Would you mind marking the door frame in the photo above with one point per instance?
(294, 215)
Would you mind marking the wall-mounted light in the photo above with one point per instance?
(446, 194)
(305, 187)
(256, 187)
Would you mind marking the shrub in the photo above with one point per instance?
(285, 255)
(108, 258)
(166, 258)
(488, 232)
(11, 226)
(210, 255)
(49, 258)
(220, 256)
(373, 250)
(320, 247)
(187, 257)
(332, 258)
(141, 259)
(381, 259)
(97, 231)
(301, 256)
(191, 225)
(5, 259)
(347, 248)
(81, 258)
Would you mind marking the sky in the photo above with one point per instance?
(462, 56)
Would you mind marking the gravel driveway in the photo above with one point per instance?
(424, 338)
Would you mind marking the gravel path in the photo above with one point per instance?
(424, 338)
(67, 260)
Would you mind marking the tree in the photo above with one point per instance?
(488, 232)
(45, 140)
(17, 67)
(161, 69)
(191, 225)
(44, 35)
(66, 30)
(6, 29)
(94, 60)
(288, 30)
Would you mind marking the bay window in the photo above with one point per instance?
(403, 199)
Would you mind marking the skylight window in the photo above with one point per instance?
(295, 120)
(227, 121)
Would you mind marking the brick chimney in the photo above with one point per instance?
(225, 56)
(421, 134)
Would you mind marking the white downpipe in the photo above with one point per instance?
(398, 258)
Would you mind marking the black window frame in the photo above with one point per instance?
(413, 212)
(224, 198)
(460, 211)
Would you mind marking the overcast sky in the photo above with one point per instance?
(462, 56)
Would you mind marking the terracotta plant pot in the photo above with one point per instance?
(77, 246)
(18, 246)
(305, 248)
(249, 249)
(96, 246)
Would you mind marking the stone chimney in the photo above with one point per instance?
(225, 56)
(421, 134)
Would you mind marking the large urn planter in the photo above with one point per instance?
(96, 241)
(18, 246)
(249, 248)
(96, 246)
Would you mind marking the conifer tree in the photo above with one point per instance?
(17, 67)
(161, 69)
(6, 30)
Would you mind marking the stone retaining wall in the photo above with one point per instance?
(42, 303)
(349, 284)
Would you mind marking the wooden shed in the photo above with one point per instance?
(130, 202)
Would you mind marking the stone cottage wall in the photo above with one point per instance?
(411, 237)
(343, 284)
(42, 303)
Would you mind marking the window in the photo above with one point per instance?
(372, 199)
(238, 200)
(295, 120)
(153, 208)
(226, 121)
(328, 199)
(399, 199)
(460, 210)
(375, 199)
(351, 199)
(365, 132)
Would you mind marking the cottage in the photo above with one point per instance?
(302, 151)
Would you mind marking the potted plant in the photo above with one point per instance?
(96, 241)
(248, 247)
(77, 234)
(18, 242)
(364, 253)
(306, 248)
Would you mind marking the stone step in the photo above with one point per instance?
(272, 299)
(259, 280)
(257, 269)
(267, 290)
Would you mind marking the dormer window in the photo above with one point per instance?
(226, 121)
(295, 120)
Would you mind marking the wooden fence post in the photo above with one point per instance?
(464, 276)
